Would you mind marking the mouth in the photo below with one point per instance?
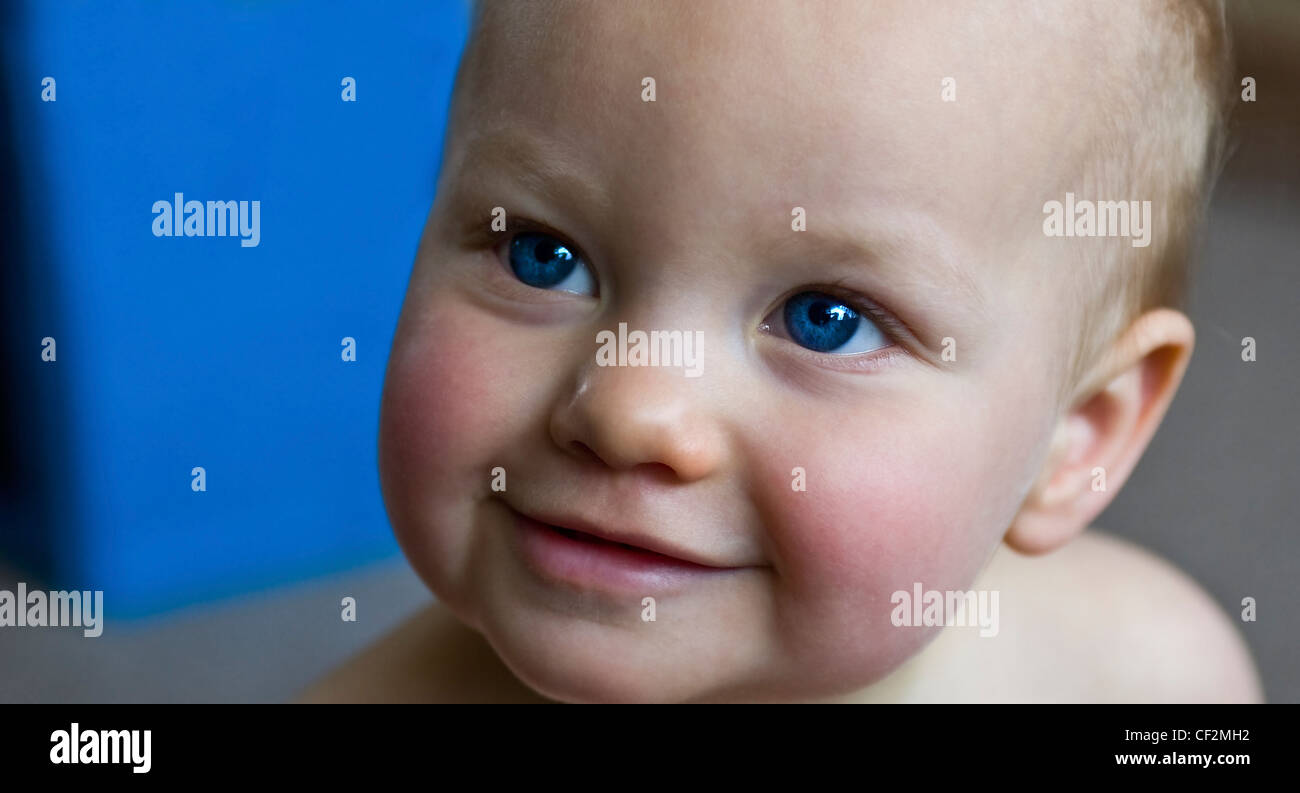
(581, 536)
(594, 558)
(578, 529)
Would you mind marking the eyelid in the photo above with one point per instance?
(516, 224)
(481, 233)
(872, 361)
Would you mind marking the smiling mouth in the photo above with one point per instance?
(595, 540)
(582, 536)
(585, 537)
(593, 558)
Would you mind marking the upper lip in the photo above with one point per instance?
(641, 540)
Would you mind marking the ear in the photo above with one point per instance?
(1098, 442)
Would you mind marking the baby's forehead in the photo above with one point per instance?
(957, 108)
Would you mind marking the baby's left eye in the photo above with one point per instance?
(824, 323)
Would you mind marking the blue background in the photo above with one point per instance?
(177, 352)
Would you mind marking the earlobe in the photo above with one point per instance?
(1074, 486)
(1098, 442)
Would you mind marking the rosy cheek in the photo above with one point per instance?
(890, 501)
(442, 419)
(435, 383)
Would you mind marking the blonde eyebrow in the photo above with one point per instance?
(898, 242)
(544, 167)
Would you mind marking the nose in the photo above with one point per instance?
(640, 417)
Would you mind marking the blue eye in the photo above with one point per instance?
(823, 323)
(545, 262)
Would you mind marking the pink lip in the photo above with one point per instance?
(590, 561)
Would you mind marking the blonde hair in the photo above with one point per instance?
(1164, 138)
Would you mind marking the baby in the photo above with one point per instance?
(750, 344)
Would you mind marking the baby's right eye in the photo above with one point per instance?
(545, 262)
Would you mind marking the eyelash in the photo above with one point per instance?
(481, 236)
(893, 328)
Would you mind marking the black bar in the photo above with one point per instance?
(438, 745)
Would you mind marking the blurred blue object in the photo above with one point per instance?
(178, 352)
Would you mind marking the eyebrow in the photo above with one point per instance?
(897, 242)
(545, 168)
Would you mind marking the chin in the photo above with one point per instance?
(575, 668)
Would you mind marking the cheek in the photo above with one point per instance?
(435, 385)
(894, 496)
(441, 422)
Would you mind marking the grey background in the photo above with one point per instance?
(1216, 492)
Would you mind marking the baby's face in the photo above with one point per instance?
(923, 221)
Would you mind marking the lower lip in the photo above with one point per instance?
(605, 565)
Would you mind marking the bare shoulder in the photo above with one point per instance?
(1133, 627)
(431, 657)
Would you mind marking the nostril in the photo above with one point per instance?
(584, 451)
(654, 470)
(661, 471)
